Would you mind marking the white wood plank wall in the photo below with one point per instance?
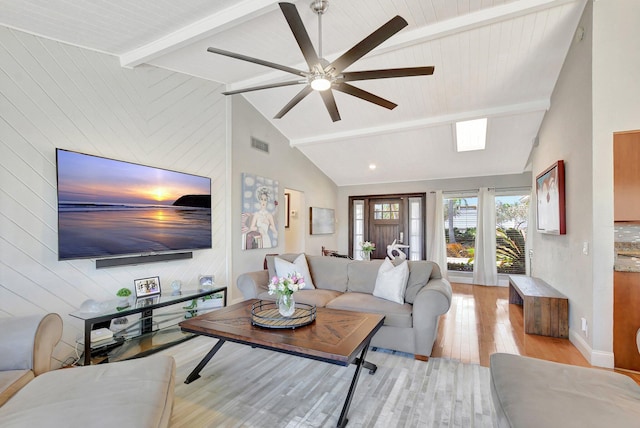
(55, 95)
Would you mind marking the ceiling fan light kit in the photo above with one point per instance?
(320, 83)
(323, 75)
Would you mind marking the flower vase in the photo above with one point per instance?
(286, 305)
(367, 255)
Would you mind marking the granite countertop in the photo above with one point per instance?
(627, 257)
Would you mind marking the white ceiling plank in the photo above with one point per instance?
(495, 58)
(212, 24)
(468, 22)
(439, 30)
(533, 106)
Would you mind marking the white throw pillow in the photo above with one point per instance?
(392, 281)
(284, 268)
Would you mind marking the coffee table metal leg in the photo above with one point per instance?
(370, 366)
(195, 374)
(360, 362)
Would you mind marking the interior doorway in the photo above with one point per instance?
(381, 219)
(295, 222)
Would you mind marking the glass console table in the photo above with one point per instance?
(113, 309)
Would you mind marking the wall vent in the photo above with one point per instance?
(259, 145)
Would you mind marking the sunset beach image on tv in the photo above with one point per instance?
(108, 207)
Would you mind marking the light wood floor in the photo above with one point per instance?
(481, 321)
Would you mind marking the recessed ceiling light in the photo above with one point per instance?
(372, 166)
(471, 135)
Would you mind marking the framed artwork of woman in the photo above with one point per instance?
(259, 212)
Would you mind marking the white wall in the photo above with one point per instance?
(283, 163)
(53, 95)
(616, 107)
(566, 134)
(598, 93)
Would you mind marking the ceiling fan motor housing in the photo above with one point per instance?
(319, 6)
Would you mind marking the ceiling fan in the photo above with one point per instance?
(324, 76)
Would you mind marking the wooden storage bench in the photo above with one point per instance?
(546, 310)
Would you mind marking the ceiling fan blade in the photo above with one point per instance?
(369, 43)
(386, 73)
(269, 86)
(330, 104)
(292, 16)
(362, 94)
(295, 100)
(256, 61)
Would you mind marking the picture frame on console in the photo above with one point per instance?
(146, 287)
(550, 197)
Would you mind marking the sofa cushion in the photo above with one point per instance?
(528, 392)
(11, 381)
(419, 274)
(317, 296)
(396, 315)
(16, 346)
(329, 273)
(271, 267)
(391, 281)
(134, 393)
(362, 276)
(285, 268)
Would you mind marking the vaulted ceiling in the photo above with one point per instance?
(493, 58)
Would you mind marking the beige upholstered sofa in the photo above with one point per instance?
(136, 393)
(349, 284)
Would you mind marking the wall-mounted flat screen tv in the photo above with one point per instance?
(109, 208)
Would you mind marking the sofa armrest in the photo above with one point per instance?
(27, 343)
(253, 283)
(433, 300)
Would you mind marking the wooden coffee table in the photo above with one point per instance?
(336, 337)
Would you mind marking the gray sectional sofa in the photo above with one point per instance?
(349, 284)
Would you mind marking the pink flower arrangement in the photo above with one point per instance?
(286, 285)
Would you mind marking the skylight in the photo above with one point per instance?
(471, 135)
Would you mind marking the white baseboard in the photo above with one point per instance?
(460, 277)
(602, 359)
(594, 357)
(467, 278)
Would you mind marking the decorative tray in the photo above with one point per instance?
(265, 314)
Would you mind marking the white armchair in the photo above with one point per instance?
(26, 345)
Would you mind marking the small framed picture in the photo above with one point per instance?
(147, 286)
